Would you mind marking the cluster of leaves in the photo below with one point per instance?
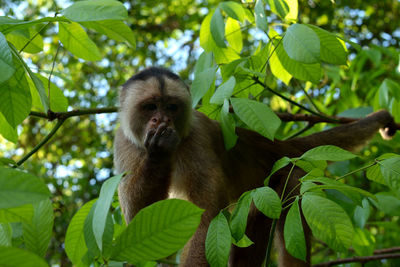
(255, 81)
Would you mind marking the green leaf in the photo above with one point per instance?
(279, 7)
(8, 25)
(204, 62)
(277, 68)
(239, 217)
(361, 214)
(233, 34)
(11, 256)
(301, 71)
(259, 117)
(224, 91)
(96, 10)
(20, 38)
(15, 97)
(293, 232)
(201, 83)
(37, 233)
(75, 39)
(114, 29)
(228, 126)
(7, 68)
(233, 10)
(218, 241)
(206, 39)
(242, 243)
(267, 201)
(328, 152)
(363, 242)
(75, 246)
(390, 169)
(18, 188)
(279, 164)
(22, 213)
(58, 102)
(328, 221)
(388, 203)
(217, 28)
(158, 231)
(103, 206)
(5, 235)
(302, 44)
(7, 131)
(260, 17)
(332, 50)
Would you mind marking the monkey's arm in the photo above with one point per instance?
(350, 136)
(147, 179)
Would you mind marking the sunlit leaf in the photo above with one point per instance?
(217, 28)
(96, 10)
(11, 256)
(7, 68)
(20, 39)
(75, 39)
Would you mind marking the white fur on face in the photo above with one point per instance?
(139, 91)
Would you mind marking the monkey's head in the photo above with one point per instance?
(155, 102)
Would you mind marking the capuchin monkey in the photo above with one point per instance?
(169, 150)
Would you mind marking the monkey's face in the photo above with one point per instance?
(155, 112)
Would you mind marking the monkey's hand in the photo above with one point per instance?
(162, 141)
(389, 126)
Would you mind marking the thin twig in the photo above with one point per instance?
(42, 143)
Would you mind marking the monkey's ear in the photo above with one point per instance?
(389, 130)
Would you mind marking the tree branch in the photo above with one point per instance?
(358, 259)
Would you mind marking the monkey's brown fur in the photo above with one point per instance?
(170, 150)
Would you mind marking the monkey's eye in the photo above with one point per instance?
(150, 107)
(172, 107)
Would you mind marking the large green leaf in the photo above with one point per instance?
(20, 39)
(332, 50)
(293, 233)
(8, 24)
(22, 213)
(328, 221)
(7, 131)
(279, 7)
(115, 29)
(267, 201)
(75, 39)
(218, 241)
(201, 83)
(11, 256)
(233, 34)
(7, 68)
(239, 217)
(5, 235)
(37, 233)
(258, 116)
(302, 44)
(15, 97)
(233, 10)
(103, 206)
(157, 231)
(277, 68)
(390, 169)
(96, 10)
(75, 246)
(217, 28)
(224, 91)
(328, 152)
(301, 71)
(206, 39)
(260, 17)
(18, 188)
(58, 102)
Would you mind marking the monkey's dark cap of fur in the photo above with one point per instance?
(153, 72)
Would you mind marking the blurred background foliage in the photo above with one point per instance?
(79, 158)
